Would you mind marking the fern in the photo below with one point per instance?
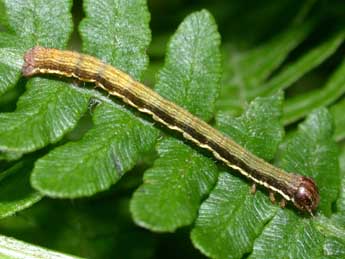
(70, 141)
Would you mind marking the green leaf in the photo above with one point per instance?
(15, 190)
(10, 156)
(302, 104)
(246, 75)
(252, 131)
(246, 70)
(117, 138)
(231, 221)
(46, 111)
(117, 31)
(39, 22)
(333, 228)
(11, 248)
(337, 111)
(288, 236)
(320, 237)
(304, 64)
(231, 218)
(341, 198)
(191, 73)
(173, 188)
(8, 40)
(11, 61)
(99, 159)
(3, 16)
(312, 151)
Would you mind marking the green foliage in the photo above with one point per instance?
(117, 139)
(10, 63)
(60, 139)
(193, 59)
(252, 131)
(122, 38)
(28, 24)
(247, 81)
(339, 119)
(16, 193)
(66, 227)
(241, 221)
(341, 200)
(244, 74)
(15, 249)
(170, 196)
(311, 152)
(43, 115)
(300, 105)
(98, 160)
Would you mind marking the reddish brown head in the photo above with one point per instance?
(306, 197)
